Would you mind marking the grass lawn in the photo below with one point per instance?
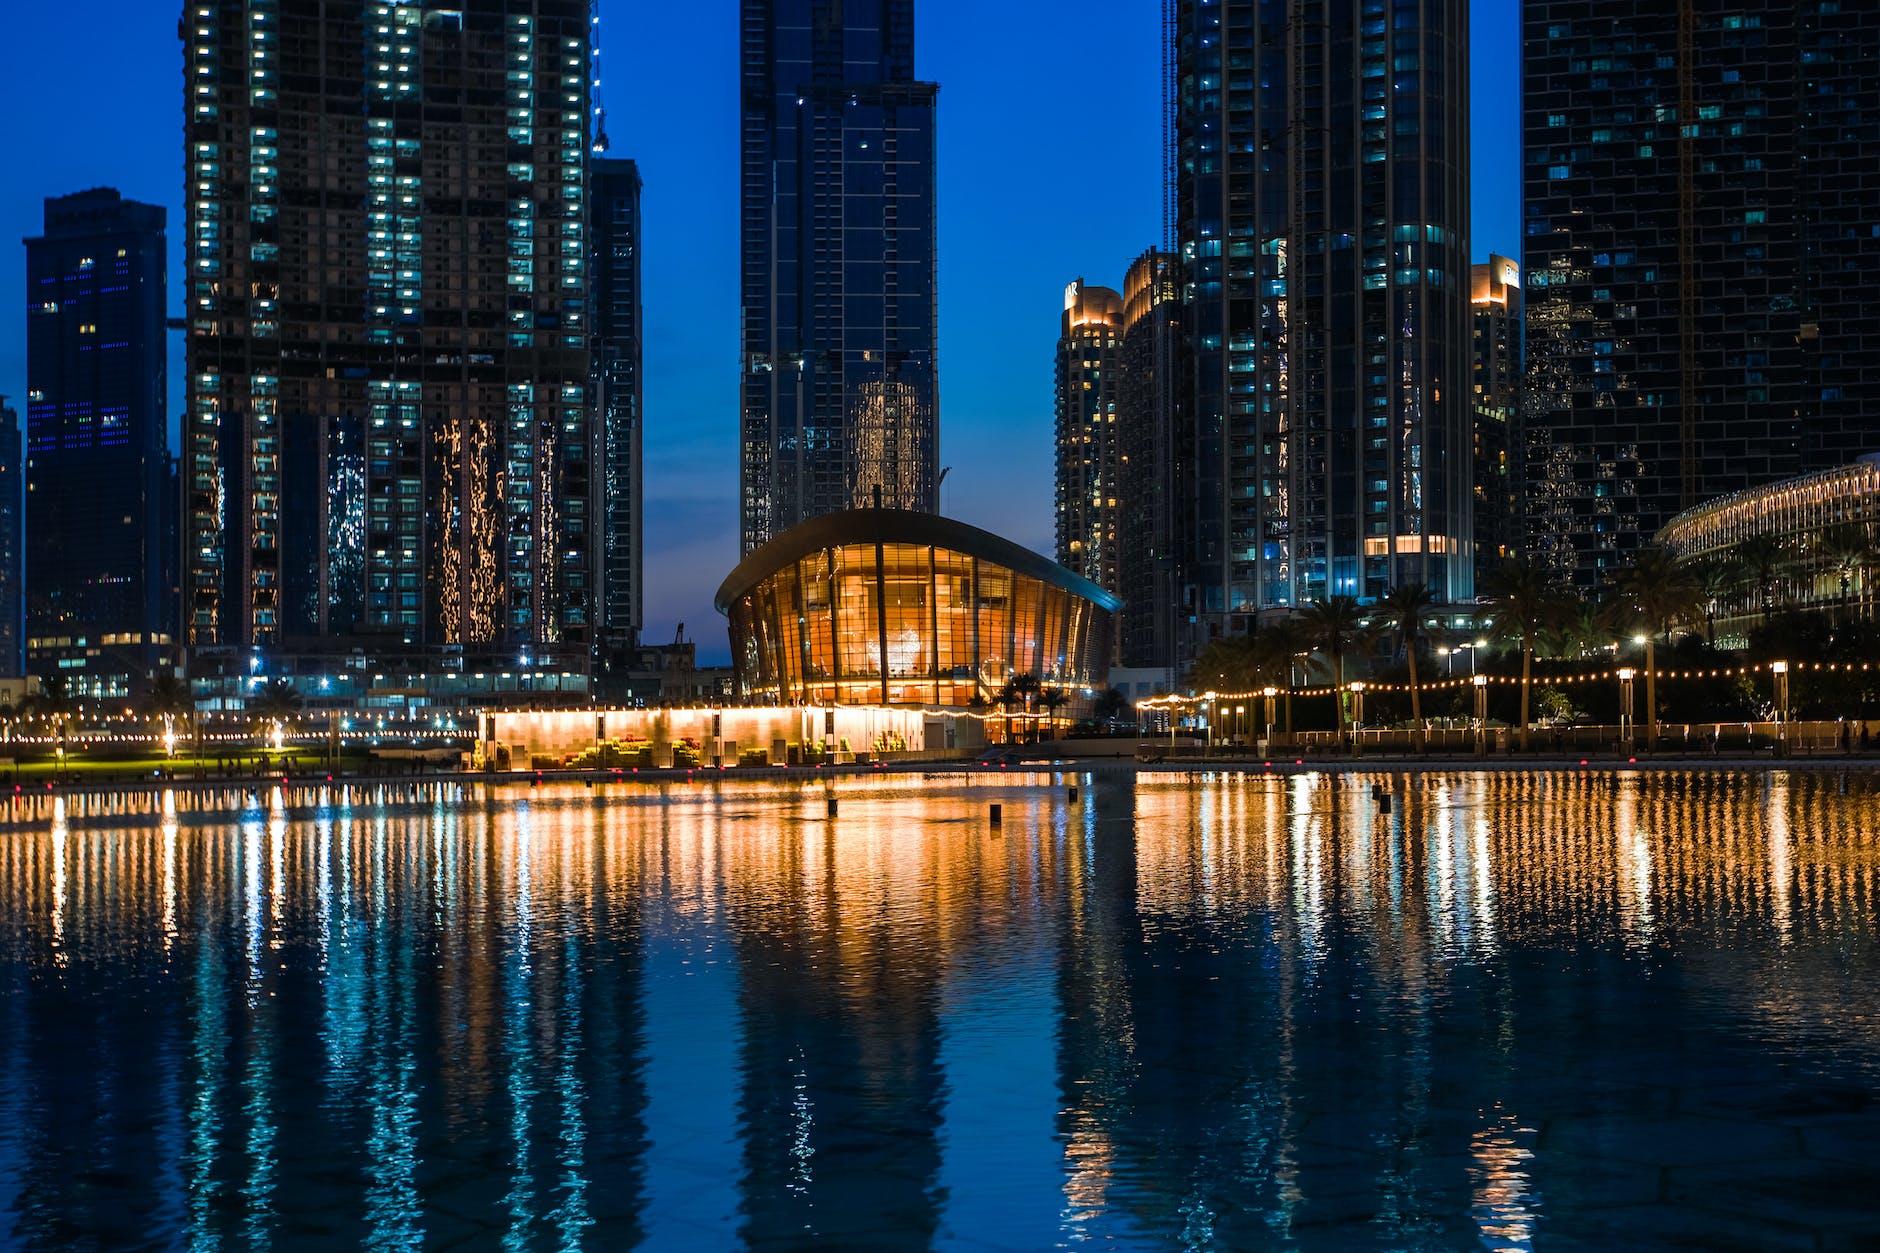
(91, 768)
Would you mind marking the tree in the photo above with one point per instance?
(1051, 700)
(1765, 564)
(1663, 594)
(1020, 689)
(1407, 608)
(1720, 582)
(1523, 601)
(1278, 645)
(1848, 550)
(1334, 626)
(1109, 706)
(167, 697)
(277, 702)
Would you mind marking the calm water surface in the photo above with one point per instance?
(1518, 1012)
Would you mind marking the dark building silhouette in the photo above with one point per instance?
(1154, 458)
(1322, 210)
(1702, 230)
(614, 191)
(389, 443)
(100, 511)
(1495, 302)
(12, 556)
(839, 395)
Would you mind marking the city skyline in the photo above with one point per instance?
(996, 422)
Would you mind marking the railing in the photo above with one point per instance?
(1675, 740)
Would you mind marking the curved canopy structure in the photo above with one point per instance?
(891, 606)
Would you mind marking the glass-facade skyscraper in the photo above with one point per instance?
(839, 395)
(615, 201)
(1089, 453)
(1495, 306)
(389, 443)
(1155, 462)
(1322, 211)
(1702, 229)
(100, 539)
(12, 537)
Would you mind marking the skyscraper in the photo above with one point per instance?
(1495, 302)
(1153, 463)
(839, 392)
(100, 514)
(1088, 451)
(12, 558)
(1700, 241)
(615, 201)
(1322, 209)
(388, 443)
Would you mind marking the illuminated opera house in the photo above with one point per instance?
(895, 607)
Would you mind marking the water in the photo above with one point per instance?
(1573, 1011)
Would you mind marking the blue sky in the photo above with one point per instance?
(1050, 170)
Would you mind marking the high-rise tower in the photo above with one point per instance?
(12, 563)
(1322, 210)
(388, 442)
(1495, 302)
(100, 514)
(617, 388)
(1702, 230)
(1088, 452)
(1154, 463)
(839, 395)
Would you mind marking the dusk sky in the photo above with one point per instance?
(1050, 169)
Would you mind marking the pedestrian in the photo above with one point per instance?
(1847, 739)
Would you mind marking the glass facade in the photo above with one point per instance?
(617, 389)
(1814, 532)
(1322, 211)
(389, 436)
(1496, 302)
(839, 394)
(1089, 454)
(1702, 230)
(100, 508)
(1153, 463)
(894, 607)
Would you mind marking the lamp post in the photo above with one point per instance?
(1272, 696)
(1480, 683)
(1357, 718)
(1626, 677)
(1449, 660)
(1780, 669)
(1649, 643)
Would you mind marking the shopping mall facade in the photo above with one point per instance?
(1798, 545)
(895, 607)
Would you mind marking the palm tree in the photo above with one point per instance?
(1051, 700)
(1720, 581)
(1407, 607)
(278, 703)
(1225, 664)
(1663, 594)
(1848, 550)
(1279, 645)
(1018, 690)
(1765, 563)
(1109, 706)
(167, 696)
(1334, 626)
(1522, 598)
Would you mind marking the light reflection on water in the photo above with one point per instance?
(1517, 1012)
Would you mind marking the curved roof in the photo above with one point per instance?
(901, 526)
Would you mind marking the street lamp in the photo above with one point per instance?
(1449, 659)
(1480, 683)
(1780, 669)
(1625, 707)
(1357, 718)
(1271, 694)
